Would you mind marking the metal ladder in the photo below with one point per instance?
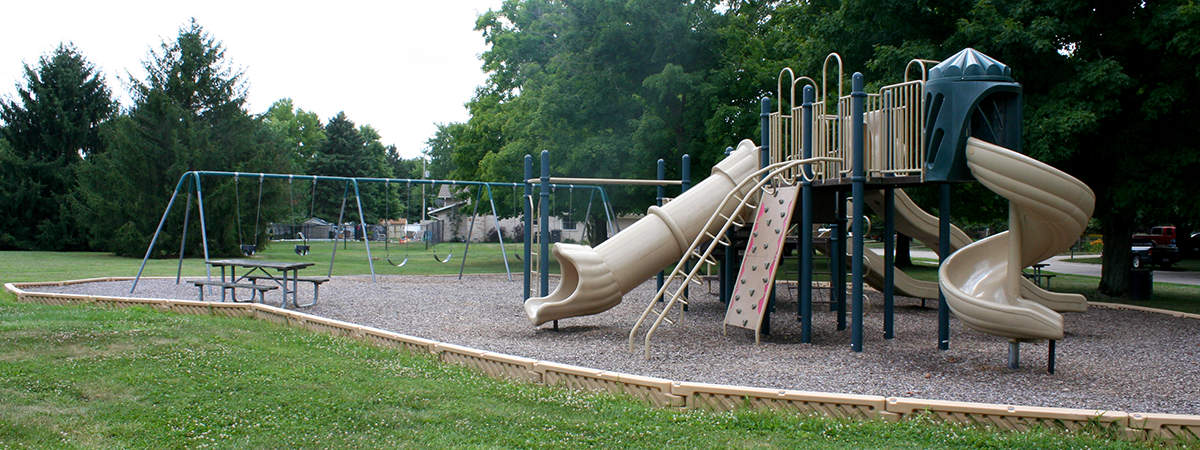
(752, 186)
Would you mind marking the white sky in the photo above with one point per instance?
(399, 66)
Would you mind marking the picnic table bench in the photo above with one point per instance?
(1037, 276)
(256, 290)
(316, 281)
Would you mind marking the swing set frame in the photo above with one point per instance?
(191, 183)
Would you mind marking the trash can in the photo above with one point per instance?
(1141, 284)
(555, 236)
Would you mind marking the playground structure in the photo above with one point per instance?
(958, 121)
(190, 183)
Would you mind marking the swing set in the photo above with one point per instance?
(190, 183)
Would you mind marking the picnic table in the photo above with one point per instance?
(281, 278)
(1037, 276)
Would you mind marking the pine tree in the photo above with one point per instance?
(52, 125)
(188, 115)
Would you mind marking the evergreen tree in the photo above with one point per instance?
(52, 125)
(354, 152)
(188, 114)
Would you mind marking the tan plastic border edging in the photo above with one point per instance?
(675, 394)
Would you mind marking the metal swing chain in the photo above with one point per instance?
(258, 213)
(237, 207)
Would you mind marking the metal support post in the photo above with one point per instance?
(685, 172)
(1050, 357)
(362, 220)
(1014, 355)
(662, 192)
(806, 223)
(944, 245)
(728, 272)
(154, 240)
(544, 227)
(858, 181)
(528, 205)
(889, 262)
(765, 156)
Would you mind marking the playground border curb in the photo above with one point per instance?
(675, 394)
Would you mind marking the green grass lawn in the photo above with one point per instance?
(351, 259)
(85, 377)
(1175, 297)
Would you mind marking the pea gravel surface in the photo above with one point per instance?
(1110, 359)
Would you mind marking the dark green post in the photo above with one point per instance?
(806, 222)
(944, 247)
(765, 160)
(685, 170)
(858, 180)
(662, 192)
(544, 228)
(889, 262)
(528, 204)
(727, 272)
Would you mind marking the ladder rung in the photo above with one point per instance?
(731, 220)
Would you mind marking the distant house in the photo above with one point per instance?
(400, 229)
(313, 228)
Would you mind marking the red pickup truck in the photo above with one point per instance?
(1157, 248)
(1160, 236)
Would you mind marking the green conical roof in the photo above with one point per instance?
(970, 64)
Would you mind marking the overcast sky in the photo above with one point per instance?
(399, 66)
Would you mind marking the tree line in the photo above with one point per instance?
(610, 87)
(1110, 89)
(77, 172)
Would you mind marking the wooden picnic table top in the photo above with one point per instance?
(277, 265)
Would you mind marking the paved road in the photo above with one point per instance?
(1058, 264)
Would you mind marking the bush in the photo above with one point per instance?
(518, 232)
(493, 235)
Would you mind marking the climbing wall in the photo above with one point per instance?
(761, 262)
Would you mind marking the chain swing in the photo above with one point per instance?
(303, 249)
(441, 260)
(387, 226)
(247, 249)
(516, 206)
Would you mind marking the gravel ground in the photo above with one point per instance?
(1110, 360)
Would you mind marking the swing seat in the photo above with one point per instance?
(301, 250)
(448, 256)
(248, 249)
(402, 263)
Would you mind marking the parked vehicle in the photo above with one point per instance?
(1160, 236)
(1145, 252)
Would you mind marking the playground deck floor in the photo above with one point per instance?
(1110, 359)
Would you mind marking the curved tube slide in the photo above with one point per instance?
(913, 222)
(594, 279)
(1049, 210)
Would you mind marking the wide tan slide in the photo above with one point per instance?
(594, 279)
(1049, 211)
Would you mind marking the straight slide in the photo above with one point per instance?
(594, 279)
(1049, 211)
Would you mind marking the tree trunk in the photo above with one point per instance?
(599, 231)
(903, 256)
(1115, 275)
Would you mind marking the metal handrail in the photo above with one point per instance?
(773, 172)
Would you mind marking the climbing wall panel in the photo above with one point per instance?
(761, 262)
